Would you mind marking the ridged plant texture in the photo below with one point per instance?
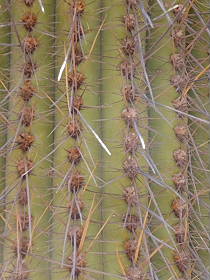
(104, 140)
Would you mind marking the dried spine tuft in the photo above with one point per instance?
(180, 181)
(178, 61)
(23, 197)
(131, 222)
(76, 181)
(75, 80)
(24, 221)
(25, 141)
(78, 7)
(27, 91)
(135, 273)
(22, 247)
(75, 235)
(181, 158)
(131, 167)
(128, 69)
(131, 142)
(78, 262)
(76, 207)
(77, 104)
(29, 69)
(181, 233)
(129, 21)
(182, 132)
(183, 261)
(130, 115)
(30, 44)
(29, 21)
(27, 116)
(128, 45)
(74, 155)
(179, 207)
(74, 128)
(130, 249)
(130, 196)
(29, 3)
(24, 167)
(129, 93)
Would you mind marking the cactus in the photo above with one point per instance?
(104, 139)
(200, 136)
(163, 122)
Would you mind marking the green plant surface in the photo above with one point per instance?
(37, 183)
(199, 96)
(113, 206)
(102, 207)
(162, 138)
(87, 143)
(115, 132)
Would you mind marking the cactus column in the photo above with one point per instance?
(30, 123)
(76, 220)
(163, 140)
(199, 97)
(124, 192)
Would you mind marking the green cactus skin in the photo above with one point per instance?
(113, 127)
(90, 164)
(92, 149)
(163, 139)
(115, 233)
(38, 182)
(105, 233)
(200, 151)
